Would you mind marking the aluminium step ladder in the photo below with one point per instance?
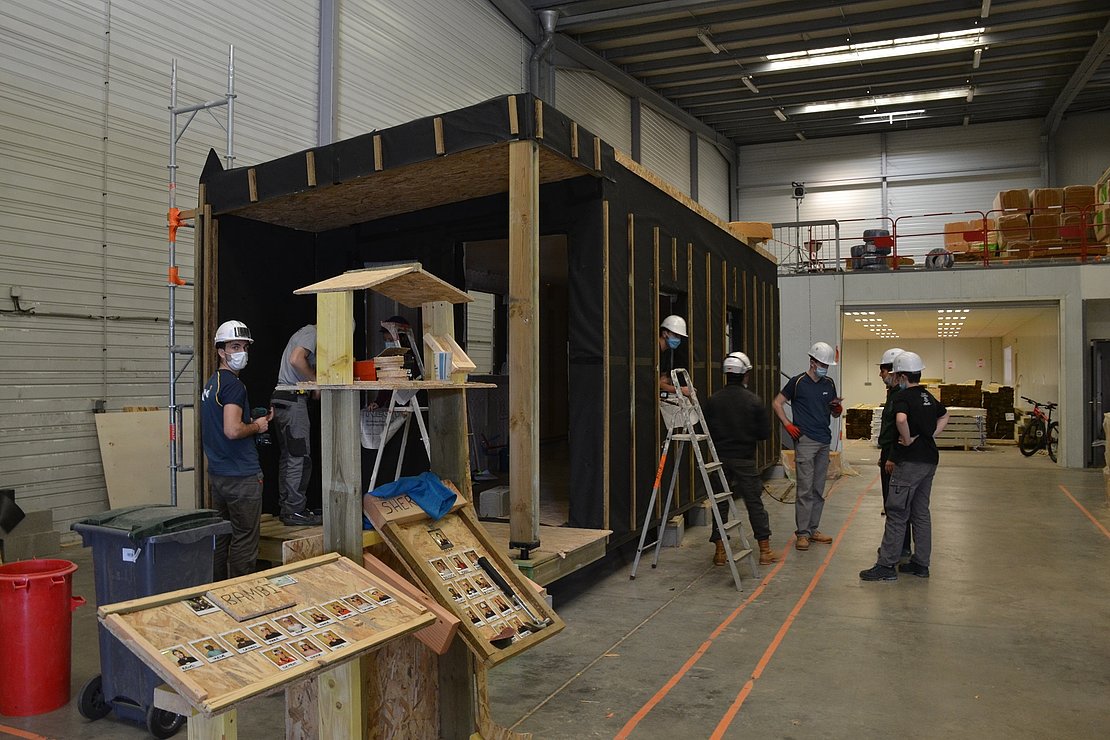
(684, 417)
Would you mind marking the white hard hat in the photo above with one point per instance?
(675, 325)
(889, 355)
(823, 352)
(908, 362)
(737, 362)
(230, 331)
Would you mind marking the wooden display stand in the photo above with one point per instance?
(219, 645)
(446, 557)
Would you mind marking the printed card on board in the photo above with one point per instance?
(281, 657)
(182, 658)
(211, 649)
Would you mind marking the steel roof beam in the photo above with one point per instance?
(1083, 73)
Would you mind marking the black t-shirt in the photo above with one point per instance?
(738, 421)
(922, 412)
(672, 359)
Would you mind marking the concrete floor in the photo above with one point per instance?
(1009, 638)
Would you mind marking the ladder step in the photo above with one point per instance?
(648, 546)
(711, 467)
(730, 525)
(722, 495)
(690, 437)
(740, 555)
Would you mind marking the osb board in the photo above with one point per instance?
(450, 179)
(562, 550)
(162, 623)
(443, 556)
(249, 599)
(407, 284)
(403, 695)
(278, 543)
(135, 450)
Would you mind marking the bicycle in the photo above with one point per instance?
(1041, 431)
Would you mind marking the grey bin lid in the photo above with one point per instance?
(143, 522)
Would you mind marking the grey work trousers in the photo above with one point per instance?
(238, 500)
(811, 466)
(908, 501)
(295, 461)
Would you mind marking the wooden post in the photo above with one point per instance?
(447, 422)
(524, 350)
(335, 337)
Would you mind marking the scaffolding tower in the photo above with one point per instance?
(181, 356)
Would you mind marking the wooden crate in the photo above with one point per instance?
(443, 557)
(198, 651)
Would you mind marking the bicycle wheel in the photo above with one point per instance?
(1053, 439)
(1032, 438)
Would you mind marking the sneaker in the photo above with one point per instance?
(917, 569)
(802, 543)
(878, 573)
(302, 519)
(823, 539)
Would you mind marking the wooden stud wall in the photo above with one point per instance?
(607, 367)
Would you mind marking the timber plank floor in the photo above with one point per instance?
(1009, 638)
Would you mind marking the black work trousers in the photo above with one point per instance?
(884, 478)
(744, 481)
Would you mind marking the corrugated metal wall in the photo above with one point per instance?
(713, 178)
(400, 61)
(599, 107)
(83, 172)
(665, 148)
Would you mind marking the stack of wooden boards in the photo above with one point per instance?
(975, 415)
(1040, 223)
(391, 368)
(998, 400)
(857, 422)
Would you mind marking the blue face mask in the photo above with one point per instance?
(903, 384)
(820, 372)
(673, 342)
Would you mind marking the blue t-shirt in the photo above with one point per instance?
(810, 403)
(232, 457)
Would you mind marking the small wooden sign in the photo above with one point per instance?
(399, 509)
(243, 601)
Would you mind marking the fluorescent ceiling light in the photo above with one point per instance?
(779, 114)
(975, 58)
(863, 52)
(892, 117)
(749, 84)
(986, 9)
(877, 101)
(703, 36)
(970, 94)
(801, 136)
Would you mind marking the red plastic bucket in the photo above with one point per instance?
(36, 605)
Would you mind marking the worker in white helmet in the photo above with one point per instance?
(673, 352)
(813, 400)
(888, 432)
(919, 417)
(227, 432)
(738, 421)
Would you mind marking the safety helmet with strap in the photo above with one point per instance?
(737, 362)
(908, 362)
(675, 325)
(823, 353)
(233, 330)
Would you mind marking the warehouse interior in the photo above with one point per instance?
(933, 176)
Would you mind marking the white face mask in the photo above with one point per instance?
(236, 361)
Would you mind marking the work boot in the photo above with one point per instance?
(802, 543)
(766, 557)
(914, 568)
(878, 573)
(301, 519)
(719, 557)
(823, 539)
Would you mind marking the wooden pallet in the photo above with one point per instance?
(273, 534)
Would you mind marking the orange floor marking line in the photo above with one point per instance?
(769, 653)
(16, 732)
(1083, 508)
(666, 688)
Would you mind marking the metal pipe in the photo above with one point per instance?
(172, 249)
(230, 107)
(548, 21)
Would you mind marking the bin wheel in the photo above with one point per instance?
(162, 723)
(90, 702)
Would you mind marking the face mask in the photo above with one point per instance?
(236, 361)
(820, 372)
(391, 345)
(903, 384)
(673, 342)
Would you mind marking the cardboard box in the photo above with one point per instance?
(1042, 198)
(1012, 200)
(1078, 197)
(1013, 227)
(1071, 226)
(1044, 226)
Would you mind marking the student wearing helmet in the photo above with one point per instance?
(294, 428)
(812, 397)
(673, 352)
(888, 432)
(738, 421)
(234, 475)
(919, 417)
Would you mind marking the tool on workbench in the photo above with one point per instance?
(487, 566)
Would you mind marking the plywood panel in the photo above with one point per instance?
(135, 453)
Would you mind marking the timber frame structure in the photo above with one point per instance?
(512, 169)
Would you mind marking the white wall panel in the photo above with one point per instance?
(1082, 149)
(665, 148)
(595, 104)
(964, 149)
(713, 179)
(401, 61)
(823, 160)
